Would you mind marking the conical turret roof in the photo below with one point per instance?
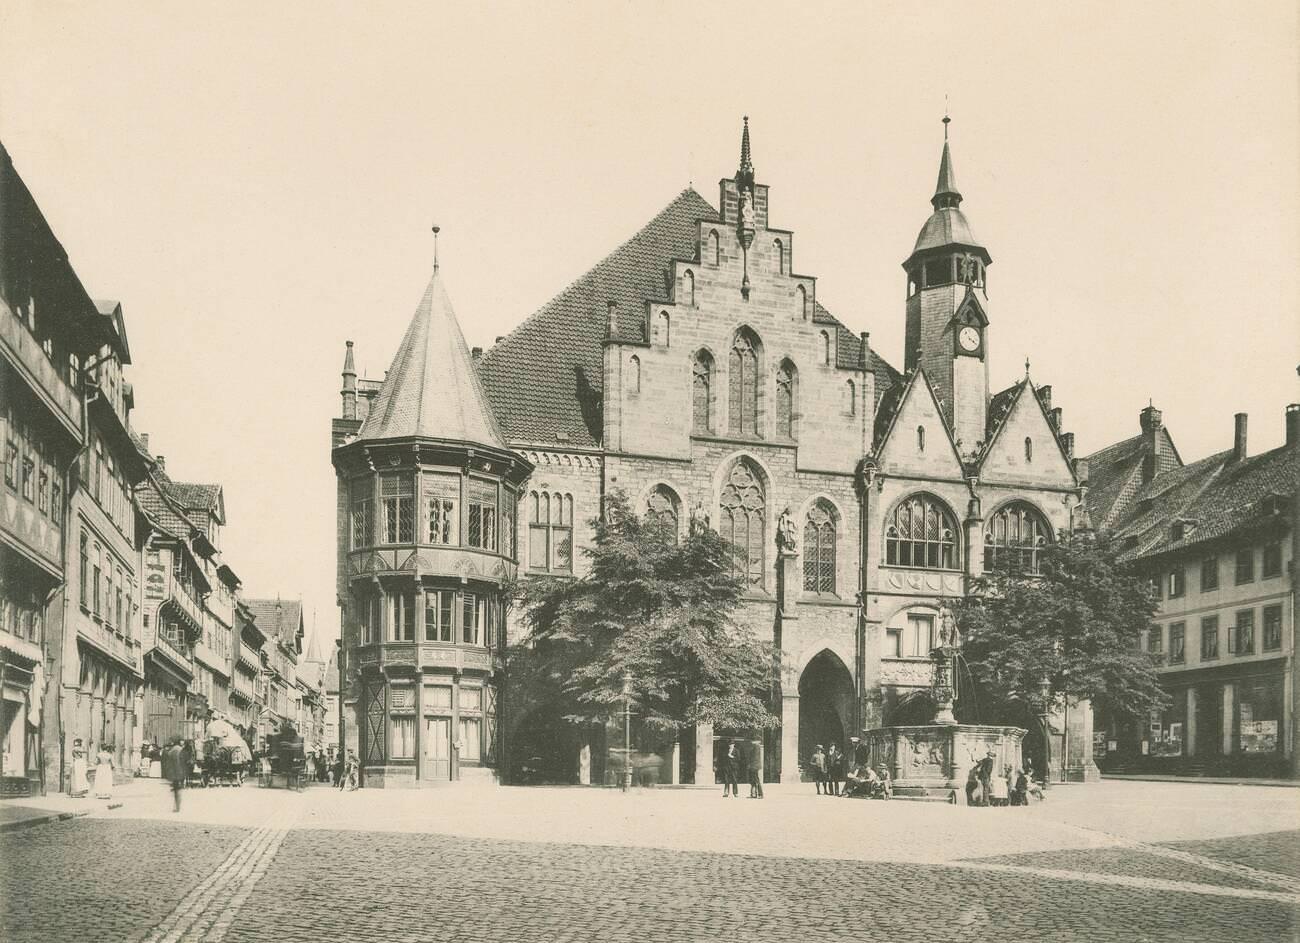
(432, 390)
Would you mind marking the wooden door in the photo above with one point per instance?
(437, 748)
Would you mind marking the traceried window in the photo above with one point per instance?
(550, 532)
(663, 512)
(819, 549)
(1014, 539)
(701, 392)
(785, 400)
(397, 494)
(441, 495)
(362, 522)
(438, 613)
(743, 519)
(483, 526)
(743, 384)
(922, 533)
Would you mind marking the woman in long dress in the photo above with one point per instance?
(104, 773)
(80, 784)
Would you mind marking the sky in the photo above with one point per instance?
(256, 184)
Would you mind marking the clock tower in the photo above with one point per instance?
(947, 304)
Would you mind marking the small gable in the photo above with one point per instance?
(917, 441)
(1024, 449)
(970, 311)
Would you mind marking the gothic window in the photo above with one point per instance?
(826, 348)
(743, 383)
(711, 249)
(397, 495)
(688, 281)
(779, 256)
(663, 512)
(920, 438)
(483, 527)
(786, 382)
(744, 508)
(1014, 539)
(550, 532)
(634, 374)
(362, 500)
(662, 325)
(1029, 449)
(801, 296)
(701, 391)
(819, 549)
(922, 533)
(441, 504)
(850, 397)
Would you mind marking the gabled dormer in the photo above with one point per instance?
(916, 440)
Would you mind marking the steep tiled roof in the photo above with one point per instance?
(278, 619)
(545, 378)
(1115, 476)
(162, 511)
(431, 390)
(332, 674)
(194, 497)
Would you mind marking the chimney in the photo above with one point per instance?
(1150, 420)
(1054, 415)
(1239, 437)
(1045, 396)
(476, 353)
(1293, 424)
(500, 338)
(1067, 440)
(144, 439)
(864, 350)
(162, 462)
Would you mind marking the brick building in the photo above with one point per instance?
(697, 370)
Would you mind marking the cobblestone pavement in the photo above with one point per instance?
(1110, 862)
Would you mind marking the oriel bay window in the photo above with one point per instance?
(483, 528)
(922, 533)
(370, 616)
(362, 517)
(439, 608)
(397, 497)
(441, 504)
(402, 617)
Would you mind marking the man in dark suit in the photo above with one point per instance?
(174, 770)
(755, 758)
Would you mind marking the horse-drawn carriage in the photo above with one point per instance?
(223, 765)
(284, 759)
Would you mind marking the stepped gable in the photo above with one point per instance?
(545, 378)
(431, 389)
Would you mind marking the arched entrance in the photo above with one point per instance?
(825, 705)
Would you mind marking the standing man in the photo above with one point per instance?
(819, 768)
(755, 770)
(173, 770)
(834, 769)
(730, 769)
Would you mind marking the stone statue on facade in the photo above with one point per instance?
(949, 635)
(786, 533)
(699, 518)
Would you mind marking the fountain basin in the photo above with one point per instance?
(932, 761)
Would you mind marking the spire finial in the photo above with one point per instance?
(946, 119)
(1026, 368)
(746, 163)
(946, 194)
(436, 229)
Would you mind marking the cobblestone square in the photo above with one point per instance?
(1115, 861)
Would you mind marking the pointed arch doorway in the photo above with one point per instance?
(825, 706)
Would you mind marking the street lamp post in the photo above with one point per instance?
(627, 730)
(1045, 689)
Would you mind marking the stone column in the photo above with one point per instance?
(584, 761)
(1229, 702)
(1189, 728)
(675, 762)
(704, 772)
(790, 738)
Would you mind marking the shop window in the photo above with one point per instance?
(401, 738)
(483, 525)
(397, 495)
(1245, 566)
(1177, 583)
(1272, 560)
(743, 521)
(922, 533)
(1209, 638)
(1209, 574)
(1272, 628)
(1241, 640)
(441, 500)
(1259, 714)
(1014, 539)
(819, 549)
(438, 612)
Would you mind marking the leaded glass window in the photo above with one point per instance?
(785, 390)
(743, 384)
(438, 613)
(441, 503)
(819, 549)
(397, 494)
(701, 390)
(1014, 539)
(743, 506)
(362, 501)
(921, 533)
(483, 529)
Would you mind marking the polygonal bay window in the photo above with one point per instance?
(922, 533)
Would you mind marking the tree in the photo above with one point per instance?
(1077, 624)
(652, 607)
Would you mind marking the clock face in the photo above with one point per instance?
(969, 338)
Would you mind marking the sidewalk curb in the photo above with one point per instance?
(42, 820)
(1202, 780)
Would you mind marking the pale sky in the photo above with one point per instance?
(256, 182)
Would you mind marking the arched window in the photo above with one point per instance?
(701, 392)
(785, 400)
(850, 397)
(826, 348)
(634, 374)
(1029, 449)
(688, 282)
(920, 438)
(778, 251)
(819, 549)
(801, 296)
(921, 533)
(663, 512)
(662, 325)
(1014, 539)
(743, 383)
(744, 511)
(711, 248)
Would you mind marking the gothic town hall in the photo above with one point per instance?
(695, 369)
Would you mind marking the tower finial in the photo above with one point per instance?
(946, 119)
(436, 229)
(1026, 368)
(746, 163)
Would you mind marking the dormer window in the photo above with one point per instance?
(1178, 531)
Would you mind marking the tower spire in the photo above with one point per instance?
(946, 194)
(745, 173)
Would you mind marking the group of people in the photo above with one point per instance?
(985, 786)
(346, 771)
(733, 762)
(836, 774)
(105, 766)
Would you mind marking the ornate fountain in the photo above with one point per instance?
(932, 761)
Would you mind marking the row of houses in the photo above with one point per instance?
(122, 624)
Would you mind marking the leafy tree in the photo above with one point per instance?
(652, 607)
(1077, 623)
